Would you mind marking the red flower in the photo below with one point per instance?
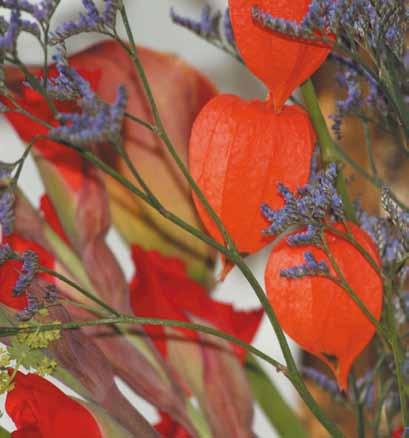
(169, 428)
(10, 270)
(41, 410)
(162, 289)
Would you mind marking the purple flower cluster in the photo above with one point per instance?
(28, 272)
(33, 306)
(385, 235)
(309, 207)
(5, 253)
(323, 381)
(42, 11)
(398, 215)
(310, 268)
(7, 201)
(97, 122)
(209, 24)
(351, 78)
(91, 21)
(368, 21)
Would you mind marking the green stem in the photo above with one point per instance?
(328, 150)
(398, 354)
(126, 320)
(354, 296)
(80, 289)
(232, 252)
(359, 406)
(161, 131)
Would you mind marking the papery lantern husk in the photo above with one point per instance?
(239, 150)
(317, 312)
(281, 62)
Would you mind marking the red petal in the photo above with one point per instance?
(36, 404)
(162, 289)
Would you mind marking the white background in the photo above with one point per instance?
(153, 28)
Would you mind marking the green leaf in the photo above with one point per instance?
(4, 433)
(281, 416)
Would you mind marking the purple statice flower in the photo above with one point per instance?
(385, 234)
(350, 77)
(353, 100)
(97, 121)
(92, 20)
(228, 28)
(8, 39)
(28, 272)
(32, 307)
(309, 207)
(5, 253)
(398, 215)
(40, 10)
(310, 268)
(50, 293)
(323, 381)
(359, 20)
(207, 26)
(10, 30)
(7, 201)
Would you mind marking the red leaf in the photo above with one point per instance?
(316, 312)
(239, 151)
(282, 63)
(34, 404)
(162, 289)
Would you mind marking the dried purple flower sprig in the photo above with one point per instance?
(398, 215)
(213, 26)
(92, 20)
(311, 268)
(385, 235)
(309, 207)
(97, 121)
(39, 293)
(352, 78)
(11, 29)
(370, 23)
(42, 10)
(7, 214)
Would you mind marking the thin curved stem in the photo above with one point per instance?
(80, 289)
(128, 320)
(354, 296)
(161, 131)
(328, 151)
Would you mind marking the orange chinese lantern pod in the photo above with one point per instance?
(318, 313)
(280, 61)
(239, 150)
